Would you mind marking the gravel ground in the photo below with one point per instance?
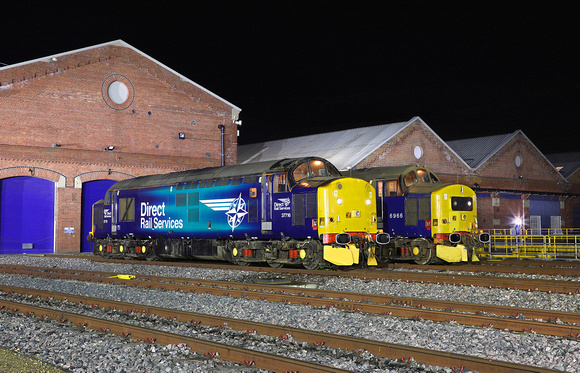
(524, 348)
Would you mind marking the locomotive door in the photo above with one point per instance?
(114, 211)
(379, 189)
(267, 203)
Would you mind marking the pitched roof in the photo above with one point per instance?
(345, 149)
(120, 43)
(478, 150)
(566, 163)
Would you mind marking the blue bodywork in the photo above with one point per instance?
(212, 212)
(394, 217)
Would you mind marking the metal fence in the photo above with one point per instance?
(548, 244)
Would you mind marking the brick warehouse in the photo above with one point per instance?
(74, 123)
(510, 175)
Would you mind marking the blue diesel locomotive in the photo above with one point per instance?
(426, 219)
(290, 211)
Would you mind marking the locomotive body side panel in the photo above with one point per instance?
(393, 215)
(417, 215)
(211, 212)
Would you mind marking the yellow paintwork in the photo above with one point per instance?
(454, 254)
(356, 213)
(123, 277)
(341, 256)
(465, 221)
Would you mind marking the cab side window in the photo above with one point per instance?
(127, 209)
(280, 184)
(392, 188)
(379, 188)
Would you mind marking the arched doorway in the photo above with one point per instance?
(92, 192)
(27, 215)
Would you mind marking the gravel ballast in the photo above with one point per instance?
(116, 352)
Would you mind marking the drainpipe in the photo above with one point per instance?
(222, 128)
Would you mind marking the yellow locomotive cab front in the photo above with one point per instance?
(346, 208)
(453, 210)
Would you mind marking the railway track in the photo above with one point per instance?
(507, 266)
(556, 323)
(557, 286)
(530, 267)
(404, 354)
(242, 356)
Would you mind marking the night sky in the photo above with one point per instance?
(468, 69)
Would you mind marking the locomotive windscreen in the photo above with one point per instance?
(461, 203)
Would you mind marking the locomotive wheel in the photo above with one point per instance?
(311, 254)
(271, 254)
(274, 264)
(150, 252)
(422, 252)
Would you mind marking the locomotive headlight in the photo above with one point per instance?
(339, 201)
(368, 202)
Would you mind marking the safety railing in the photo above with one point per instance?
(535, 231)
(536, 246)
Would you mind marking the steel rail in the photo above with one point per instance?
(476, 308)
(379, 304)
(494, 267)
(439, 278)
(238, 355)
(355, 344)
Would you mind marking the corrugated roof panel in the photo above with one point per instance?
(345, 149)
(569, 162)
(477, 150)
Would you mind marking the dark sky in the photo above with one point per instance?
(467, 68)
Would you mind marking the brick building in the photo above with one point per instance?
(74, 123)
(511, 177)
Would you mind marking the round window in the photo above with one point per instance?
(518, 160)
(418, 152)
(118, 92)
